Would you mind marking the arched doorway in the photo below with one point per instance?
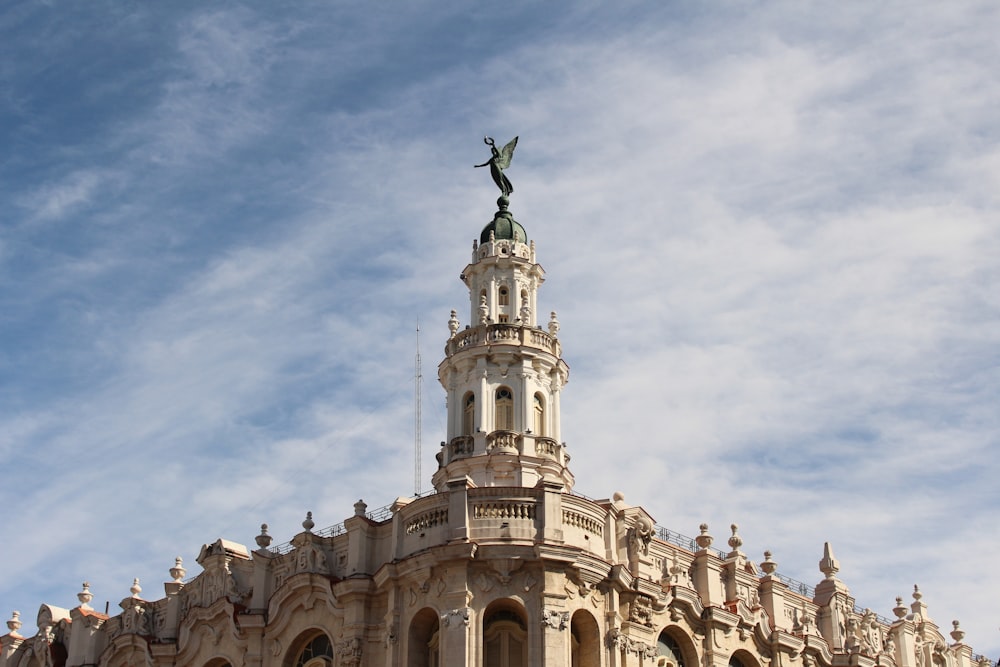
(423, 647)
(505, 635)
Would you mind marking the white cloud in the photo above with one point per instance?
(769, 237)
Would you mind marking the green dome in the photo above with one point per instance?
(504, 226)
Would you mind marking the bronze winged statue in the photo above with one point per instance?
(499, 162)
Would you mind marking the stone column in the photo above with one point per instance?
(458, 509)
(457, 646)
(555, 637)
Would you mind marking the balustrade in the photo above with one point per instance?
(462, 445)
(503, 334)
(509, 441)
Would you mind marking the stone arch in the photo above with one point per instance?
(312, 648)
(505, 634)
(538, 421)
(422, 648)
(743, 658)
(504, 409)
(469, 413)
(218, 662)
(674, 648)
(586, 639)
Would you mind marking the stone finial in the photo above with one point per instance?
(453, 324)
(484, 310)
(85, 596)
(916, 593)
(829, 565)
(14, 624)
(735, 542)
(704, 540)
(308, 523)
(264, 540)
(768, 566)
(899, 610)
(178, 571)
(554, 325)
(135, 589)
(957, 634)
(360, 508)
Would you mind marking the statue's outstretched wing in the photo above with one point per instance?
(506, 153)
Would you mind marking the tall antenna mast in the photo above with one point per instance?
(417, 417)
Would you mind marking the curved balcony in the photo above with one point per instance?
(460, 447)
(506, 442)
(503, 334)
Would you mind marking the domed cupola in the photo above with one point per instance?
(503, 227)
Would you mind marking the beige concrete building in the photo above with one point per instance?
(502, 566)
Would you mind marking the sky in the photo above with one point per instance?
(770, 232)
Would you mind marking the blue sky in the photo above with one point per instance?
(770, 232)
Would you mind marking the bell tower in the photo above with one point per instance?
(503, 373)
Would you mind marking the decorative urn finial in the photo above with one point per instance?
(554, 325)
(768, 566)
(957, 634)
(308, 523)
(135, 589)
(453, 324)
(178, 571)
(263, 540)
(735, 542)
(360, 508)
(704, 540)
(85, 596)
(899, 610)
(14, 624)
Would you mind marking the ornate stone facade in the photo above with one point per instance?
(503, 565)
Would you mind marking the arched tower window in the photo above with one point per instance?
(504, 410)
(503, 300)
(538, 421)
(668, 651)
(317, 652)
(423, 639)
(469, 414)
(586, 640)
(505, 635)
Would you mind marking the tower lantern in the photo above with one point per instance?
(502, 372)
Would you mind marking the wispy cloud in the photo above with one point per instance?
(770, 237)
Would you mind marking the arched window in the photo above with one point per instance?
(538, 423)
(469, 414)
(504, 409)
(423, 639)
(586, 640)
(505, 637)
(504, 296)
(669, 651)
(316, 653)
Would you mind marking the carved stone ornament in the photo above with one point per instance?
(557, 620)
(640, 611)
(455, 618)
(640, 535)
(617, 640)
(350, 651)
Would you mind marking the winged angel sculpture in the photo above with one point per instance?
(499, 162)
